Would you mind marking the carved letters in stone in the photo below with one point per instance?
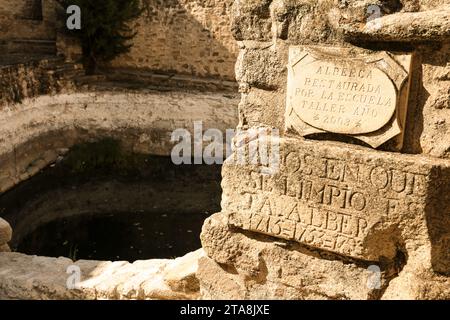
(361, 95)
(347, 203)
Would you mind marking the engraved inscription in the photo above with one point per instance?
(334, 203)
(352, 92)
(342, 97)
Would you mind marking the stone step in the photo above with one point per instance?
(54, 62)
(149, 78)
(67, 66)
(68, 74)
(88, 79)
(49, 61)
(22, 46)
(66, 70)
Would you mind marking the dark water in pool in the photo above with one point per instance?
(101, 203)
(119, 236)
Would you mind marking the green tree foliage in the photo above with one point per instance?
(105, 31)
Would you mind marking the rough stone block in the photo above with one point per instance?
(262, 64)
(251, 20)
(256, 106)
(180, 274)
(5, 248)
(31, 277)
(344, 199)
(245, 265)
(5, 232)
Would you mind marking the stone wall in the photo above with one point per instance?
(33, 78)
(265, 30)
(27, 19)
(37, 131)
(177, 36)
(332, 219)
(185, 37)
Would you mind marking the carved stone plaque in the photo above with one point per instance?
(335, 90)
(348, 201)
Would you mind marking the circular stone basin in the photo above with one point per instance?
(102, 203)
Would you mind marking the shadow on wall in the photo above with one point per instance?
(185, 37)
(427, 131)
(417, 100)
(438, 223)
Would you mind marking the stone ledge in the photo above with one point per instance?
(432, 25)
(32, 277)
(35, 133)
(145, 79)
